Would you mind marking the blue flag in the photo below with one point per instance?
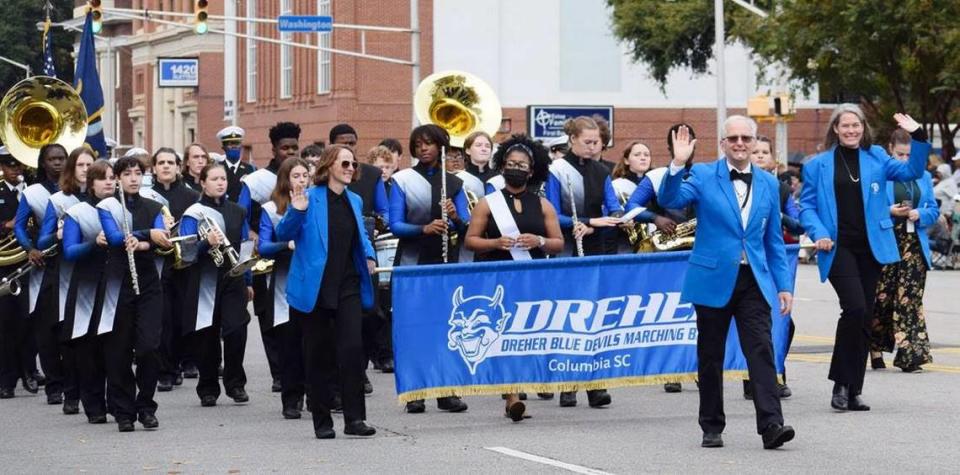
(87, 83)
(49, 68)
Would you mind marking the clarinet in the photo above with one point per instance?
(573, 214)
(126, 233)
(445, 238)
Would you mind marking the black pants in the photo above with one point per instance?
(292, 377)
(853, 275)
(136, 332)
(91, 373)
(331, 337)
(271, 336)
(172, 340)
(55, 357)
(209, 351)
(752, 313)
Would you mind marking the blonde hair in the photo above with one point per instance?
(381, 152)
(831, 138)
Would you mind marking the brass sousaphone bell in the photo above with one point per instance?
(38, 111)
(458, 102)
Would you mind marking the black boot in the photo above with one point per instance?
(841, 397)
(568, 399)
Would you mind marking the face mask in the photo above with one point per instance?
(515, 177)
(147, 180)
(233, 154)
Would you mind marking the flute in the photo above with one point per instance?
(573, 214)
(126, 233)
(445, 238)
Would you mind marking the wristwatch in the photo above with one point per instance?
(543, 241)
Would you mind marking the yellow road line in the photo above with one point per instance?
(813, 339)
(824, 358)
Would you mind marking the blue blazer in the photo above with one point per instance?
(818, 201)
(715, 259)
(309, 231)
(929, 211)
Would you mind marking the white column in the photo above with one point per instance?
(230, 60)
(721, 73)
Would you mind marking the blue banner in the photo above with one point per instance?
(551, 325)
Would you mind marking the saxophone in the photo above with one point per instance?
(681, 237)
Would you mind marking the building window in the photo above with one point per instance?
(286, 55)
(324, 66)
(251, 52)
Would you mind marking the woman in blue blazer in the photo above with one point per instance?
(844, 209)
(329, 285)
(900, 292)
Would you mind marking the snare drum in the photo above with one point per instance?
(386, 247)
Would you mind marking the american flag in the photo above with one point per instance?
(49, 69)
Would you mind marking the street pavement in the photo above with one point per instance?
(913, 426)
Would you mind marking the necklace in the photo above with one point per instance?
(849, 173)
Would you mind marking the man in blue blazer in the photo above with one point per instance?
(737, 268)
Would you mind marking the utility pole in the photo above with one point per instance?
(414, 57)
(230, 62)
(719, 33)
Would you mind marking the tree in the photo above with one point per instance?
(890, 55)
(20, 40)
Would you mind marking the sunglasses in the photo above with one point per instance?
(348, 164)
(746, 139)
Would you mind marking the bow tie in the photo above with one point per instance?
(742, 176)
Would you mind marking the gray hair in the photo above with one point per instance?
(740, 118)
(831, 138)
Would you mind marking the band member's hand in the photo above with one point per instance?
(786, 302)
(102, 239)
(291, 245)
(906, 122)
(214, 238)
(161, 237)
(665, 224)
(36, 257)
(580, 230)
(603, 222)
(913, 215)
(249, 294)
(298, 198)
(371, 266)
(683, 146)
(8, 226)
(528, 241)
(60, 233)
(824, 244)
(504, 243)
(899, 210)
(168, 222)
(436, 227)
(451, 209)
(131, 243)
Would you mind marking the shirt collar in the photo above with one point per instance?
(731, 168)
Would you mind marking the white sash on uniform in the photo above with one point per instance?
(505, 222)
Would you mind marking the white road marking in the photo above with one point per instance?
(547, 461)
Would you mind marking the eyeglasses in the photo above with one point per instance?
(746, 139)
(348, 164)
(517, 165)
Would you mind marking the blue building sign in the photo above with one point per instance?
(178, 72)
(305, 23)
(546, 122)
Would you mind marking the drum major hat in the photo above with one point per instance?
(231, 134)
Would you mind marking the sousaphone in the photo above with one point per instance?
(38, 111)
(458, 102)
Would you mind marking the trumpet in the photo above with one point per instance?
(176, 250)
(10, 284)
(237, 266)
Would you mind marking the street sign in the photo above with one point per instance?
(546, 122)
(228, 110)
(178, 72)
(305, 23)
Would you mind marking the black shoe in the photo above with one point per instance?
(359, 428)
(54, 399)
(523, 396)
(855, 403)
(101, 419)
(190, 372)
(841, 397)
(416, 407)
(516, 411)
(276, 386)
(545, 396)
(599, 398)
(208, 401)
(30, 385)
(6, 393)
(71, 407)
(877, 363)
(747, 390)
(711, 440)
(905, 369)
(149, 421)
(386, 365)
(672, 387)
(784, 391)
(178, 379)
(451, 404)
(239, 395)
(164, 385)
(367, 386)
(325, 433)
(291, 413)
(568, 399)
(125, 426)
(776, 435)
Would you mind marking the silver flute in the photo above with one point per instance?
(445, 237)
(126, 233)
(576, 220)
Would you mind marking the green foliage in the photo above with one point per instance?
(20, 40)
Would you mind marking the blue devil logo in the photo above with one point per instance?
(475, 324)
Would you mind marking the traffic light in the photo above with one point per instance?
(96, 10)
(200, 16)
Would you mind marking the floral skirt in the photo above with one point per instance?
(898, 319)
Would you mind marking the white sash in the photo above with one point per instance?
(497, 182)
(505, 222)
(261, 184)
(566, 173)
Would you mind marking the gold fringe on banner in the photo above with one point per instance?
(495, 389)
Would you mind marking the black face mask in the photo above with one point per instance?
(515, 177)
